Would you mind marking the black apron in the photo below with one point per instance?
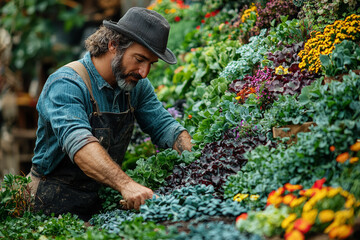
(67, 188)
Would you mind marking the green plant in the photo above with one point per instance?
(264, 223)
(31, 25)
(15, 196)
(345, 57)
(322, 13)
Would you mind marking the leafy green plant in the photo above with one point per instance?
(345, 57)
(36, 226)
(15, 196)
(264, 223)
(322, 13)
(31, 25)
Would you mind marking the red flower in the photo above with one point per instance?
(209, 35)
(207, 15)
(226, 22)
(190, 116)
(177, 19)
(203, 21)
(319, 183)
(198, 27)
(302, 225)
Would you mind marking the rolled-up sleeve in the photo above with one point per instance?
(154, 119)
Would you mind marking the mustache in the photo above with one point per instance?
(134, 75)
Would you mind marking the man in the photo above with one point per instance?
(87, 111)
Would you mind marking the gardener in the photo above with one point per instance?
(86, 117)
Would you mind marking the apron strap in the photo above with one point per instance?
(79, 68)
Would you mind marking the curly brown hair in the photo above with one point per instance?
(97, 43)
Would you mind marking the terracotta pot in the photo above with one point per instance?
(291, 131)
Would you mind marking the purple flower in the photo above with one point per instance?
(175, 113)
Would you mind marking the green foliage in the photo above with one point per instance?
(336, 113)
(153, 171)
(15, 196)
(288, 32)
(285, 111)
(31, 25)
(34, 226)
(264, 223)
(251, 55)
(345, 57)
(325, 12)
(215, 230)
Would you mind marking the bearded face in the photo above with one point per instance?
(125, 80)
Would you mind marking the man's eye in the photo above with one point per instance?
(139, 60)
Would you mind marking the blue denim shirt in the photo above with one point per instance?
(64, 107)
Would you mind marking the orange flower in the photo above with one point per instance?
(355, 147)
(288, 199)
(190, 116)
(332, 148)
(341, 232)
(342, 157)
(294, 235)
(242, 216)
(302, 225)
(292, 188)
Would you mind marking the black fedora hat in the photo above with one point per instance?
(146, 27)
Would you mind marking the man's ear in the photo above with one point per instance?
(112, 47)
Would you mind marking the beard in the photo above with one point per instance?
(119, 70)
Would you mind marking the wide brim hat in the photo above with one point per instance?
(146, 27)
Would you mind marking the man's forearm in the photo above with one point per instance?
(183, 142)
(96, 163)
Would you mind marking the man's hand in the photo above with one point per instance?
(183, 142)
(135, 195)
(95, 162)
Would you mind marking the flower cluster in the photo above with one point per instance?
(242, 196)
(256, 86)
(323, 43)
(273, 11)
(172, 10)
(321, 209)
(353, 156)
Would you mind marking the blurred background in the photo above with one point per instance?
(37, 37)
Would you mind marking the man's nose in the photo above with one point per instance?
(144, 70)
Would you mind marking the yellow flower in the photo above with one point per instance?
(240, 196)
(354, 160)
(254, 197)
(331, 226)
(296, 202)
(333, 191)
(287, 221)
(350, 201)
(310, 216)
(326, 215)
(307, 206)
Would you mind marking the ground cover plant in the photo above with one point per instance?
(238, 182)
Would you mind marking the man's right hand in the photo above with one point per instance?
(135, 194)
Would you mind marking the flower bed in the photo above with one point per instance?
(239, 181)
